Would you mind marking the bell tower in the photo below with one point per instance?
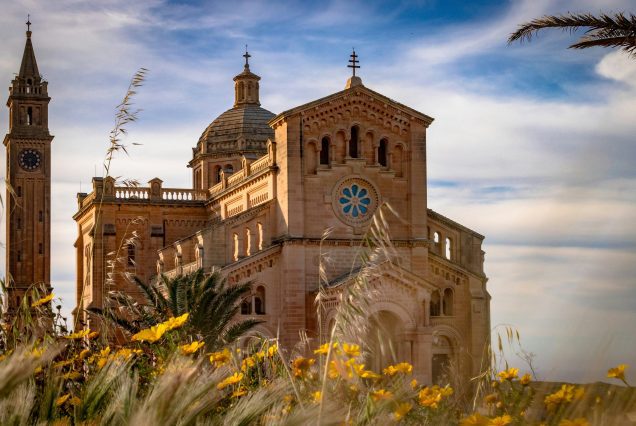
(28, 197)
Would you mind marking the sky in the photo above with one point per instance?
(532, 145)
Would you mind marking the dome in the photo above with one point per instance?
(243, 128)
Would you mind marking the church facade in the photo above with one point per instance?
(265, 188)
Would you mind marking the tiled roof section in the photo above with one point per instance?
(243, 128)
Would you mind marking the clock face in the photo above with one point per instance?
(30, 159)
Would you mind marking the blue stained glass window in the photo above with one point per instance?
(355, 201)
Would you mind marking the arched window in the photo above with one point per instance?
(235, 253)
(259, 301)
(435, 304)
(324, 151)
(382, 150)
(259, 228)
(248, 242)
(217, 174)
(29, 116)
(448, 302)
(249, 90)
(353, 142)
(448, 248)
(246, 307)
(241, 91)
(131, 254)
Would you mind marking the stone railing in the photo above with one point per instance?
(188, 268)
(129, 193)
(260, 164)
(182, 194)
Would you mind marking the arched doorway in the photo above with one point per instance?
(385, 332)
(442, 359)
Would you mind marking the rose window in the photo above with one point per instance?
(355, 200)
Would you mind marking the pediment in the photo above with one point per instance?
(357, 100)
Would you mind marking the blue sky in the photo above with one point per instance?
(532, 144)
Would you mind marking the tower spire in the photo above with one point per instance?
(29, 66)
(246, 89)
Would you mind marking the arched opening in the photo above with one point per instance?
(448, 302)
(382, 151)
(441, 362)
(29, 117)
(241, 91)
(248, 241)
(259, 301)
(435, 304)
(259, 228)
(324, 151)
(384, 332)
(235, 251)
(249, 90)
(246, 307)
(448, 250)
(217, 174)
(353, 142)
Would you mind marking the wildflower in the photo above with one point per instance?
(381, 394)
(509, 374)
(301, 365)
(83, 354)
(2, 357)
(247, 363)
(474, 420)
(525, 379)
(429, 397)
(351, 350)
(42, 301)
(220, 358)
(191, 348)
(491, 399)
(501, 420)
(402, 410)
(272, 350)
(324, 349)
(62, 399)
(92, 335)
(567, 393)
(126, 353)
(37, 352)
(78, 335)
(234, 378)
(239, 392)
(75, 401)
(151, 334)
(576, 422)
(403, 367)
(260, 355)
(317, 396)
(177, 322)
(64, 363)
(617, 372)
(414, 384)
(368, 374)
(72, 375)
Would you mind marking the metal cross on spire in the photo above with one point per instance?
(247, 56)
(28, 22)
(354, 62)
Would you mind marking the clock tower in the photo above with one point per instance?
(28, 198)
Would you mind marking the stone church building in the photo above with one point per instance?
(264, 189)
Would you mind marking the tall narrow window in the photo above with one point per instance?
(382, 149)
(448, 248)
(217, 174)
(259, 301)
(235, 253)
(248, 242)
(131, 254)
(29, 116)
(259, 227)
(435, 304)
(241, 92)
(353, 143)
(324, 151)
(246, 307)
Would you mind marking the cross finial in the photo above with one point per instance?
(28, 23)
(247, 56)
(354, 62)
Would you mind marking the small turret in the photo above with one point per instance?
(246, 85)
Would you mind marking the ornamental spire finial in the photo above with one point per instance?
(353, 62)
(28, 24)
(247, 56)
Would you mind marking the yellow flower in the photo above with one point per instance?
(151, 334)
(368, 374)
(501, 420)
(301, 365)
(351, 350)
(64, 363)
(248, 363)
(83, 354)
(414, 384)
(220, 358)
(71, 375)
(509, 374)
(525, 379)
(126, 353)
(62, 399)
(567, 393)
(75, 401)
(260, 355)
(177, 322)
(403, 367)
(272, 350)
(474, 420)
(381, 394)
(429, 397)
(617, 372)
(37, 352)
(239, 392)
(402, 410)
(491, 399)
(324, 349)
(43, 300)
(78, 335)
(317, 396)
(234, 378)
(92, 335)
(576, 422)
(191, 348)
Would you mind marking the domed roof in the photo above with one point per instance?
(242, 128)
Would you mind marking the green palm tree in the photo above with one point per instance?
(211, 303)
(618, 30)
